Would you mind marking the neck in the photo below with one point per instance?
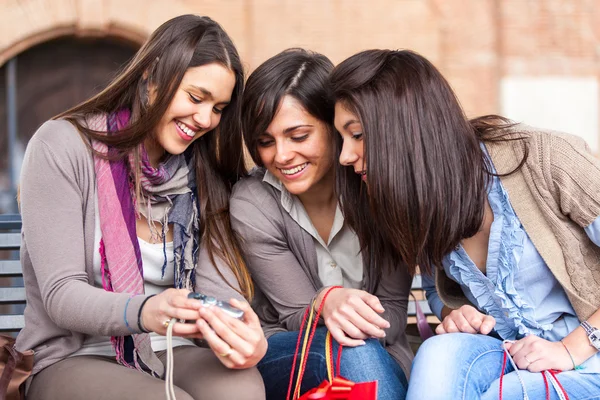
(321, 194)
(154, 150)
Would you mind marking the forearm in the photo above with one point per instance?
(578, 344)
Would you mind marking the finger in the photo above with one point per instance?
(350, 329)
(225, 332)
(449, 325)
(342, 339)
(357, 320)
(183, 329)
(518, 345)
(250, 333)
(218, 345)
(183, 314)
(372, 301)
(487, 325)
(440, 329)
(538, 366)
(249, 315)
(462, 324)
(366, 313)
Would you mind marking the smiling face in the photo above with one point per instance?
(296, 149)
(350, 128)
(195, 110)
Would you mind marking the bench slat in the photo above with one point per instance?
(9, 268)
(11, 322)
(417, 283)
(10, 241)
(12, 295)
(424, 306)
(10, 222)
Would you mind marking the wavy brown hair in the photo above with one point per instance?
(427, 173)
(183, 42)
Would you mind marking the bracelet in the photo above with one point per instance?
(125, 315)
(575, 367)
(139, 318)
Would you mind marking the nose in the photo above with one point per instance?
(284, 153)
(202, 117)
(348, 156)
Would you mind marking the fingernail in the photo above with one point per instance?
(362, 342)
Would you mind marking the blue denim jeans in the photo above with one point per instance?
(465, 366)
(359, 364)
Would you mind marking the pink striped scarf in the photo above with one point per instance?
(122, 269)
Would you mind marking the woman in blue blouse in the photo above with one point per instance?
(501, 218)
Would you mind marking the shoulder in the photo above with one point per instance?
(252, 189)
(61, 139)
(549, 139)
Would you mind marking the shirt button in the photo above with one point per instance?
(333, 264)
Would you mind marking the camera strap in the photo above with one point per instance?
(169, 389)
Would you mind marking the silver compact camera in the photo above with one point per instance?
(208, 301)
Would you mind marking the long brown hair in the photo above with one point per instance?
(178, 44)
(427, 173)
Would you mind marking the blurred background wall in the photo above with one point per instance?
(536, 61)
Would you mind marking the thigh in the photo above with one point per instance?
(276, 366)
(95, 377)
(371, 362)
(455, 366)
(199, 372)
(577, 385)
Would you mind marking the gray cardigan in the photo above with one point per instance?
(57, 206)
(282, 259)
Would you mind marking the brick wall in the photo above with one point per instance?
(476, 43)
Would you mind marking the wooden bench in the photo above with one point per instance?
(12, 292)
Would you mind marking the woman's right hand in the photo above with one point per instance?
(171, 303)
(466, 319)
(352, 315)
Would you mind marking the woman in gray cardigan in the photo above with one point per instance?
(120, 204)
(296, 242)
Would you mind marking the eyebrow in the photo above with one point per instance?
(206, 93)
(293, 128)
(348, 123)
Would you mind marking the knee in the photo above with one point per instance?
(370, 356)
(244, 384)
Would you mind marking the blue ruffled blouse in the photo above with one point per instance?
(518, 289)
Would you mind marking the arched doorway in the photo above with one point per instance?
(46, 80)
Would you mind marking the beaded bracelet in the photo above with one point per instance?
(575, 367)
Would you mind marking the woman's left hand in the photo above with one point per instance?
(536, 354)
(237, 343)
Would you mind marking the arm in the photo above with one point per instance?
(433, 298)
(393, 292)
(465, 319)
(55, 165)
(575, 180)
(275, 269)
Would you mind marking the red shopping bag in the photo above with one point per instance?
(336, 387)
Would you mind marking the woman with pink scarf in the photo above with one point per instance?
(124, 201)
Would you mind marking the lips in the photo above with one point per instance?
(186, 129)
(293, 170)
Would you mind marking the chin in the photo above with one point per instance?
(297, 188)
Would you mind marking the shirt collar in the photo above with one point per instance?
(287, 200)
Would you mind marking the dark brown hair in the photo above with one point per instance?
(183, 42)
(299, 73)
(427, 173)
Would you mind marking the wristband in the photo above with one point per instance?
(139, 318)
(575, 367)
